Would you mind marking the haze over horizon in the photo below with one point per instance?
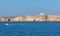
(29, 7)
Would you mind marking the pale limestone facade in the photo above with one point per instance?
(53, 18)
(30, 18)
(1, 19)
(40, 17)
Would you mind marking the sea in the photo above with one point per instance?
(30, 28)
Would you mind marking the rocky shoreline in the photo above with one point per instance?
(40, 17)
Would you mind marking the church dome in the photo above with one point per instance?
(41, 13)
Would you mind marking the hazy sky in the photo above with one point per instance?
(29, 7)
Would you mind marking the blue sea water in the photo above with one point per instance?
(29, 28)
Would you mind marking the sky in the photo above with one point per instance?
(29, 7)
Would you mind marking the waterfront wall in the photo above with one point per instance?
(40, 17)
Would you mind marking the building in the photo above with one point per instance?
(40, 17)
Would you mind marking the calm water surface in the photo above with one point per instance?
(29, 28)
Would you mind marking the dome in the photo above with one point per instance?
(41, 13)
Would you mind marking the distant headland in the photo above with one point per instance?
(40, 17)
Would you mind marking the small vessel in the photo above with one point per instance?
(6, 24)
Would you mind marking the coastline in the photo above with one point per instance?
(40, 18)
